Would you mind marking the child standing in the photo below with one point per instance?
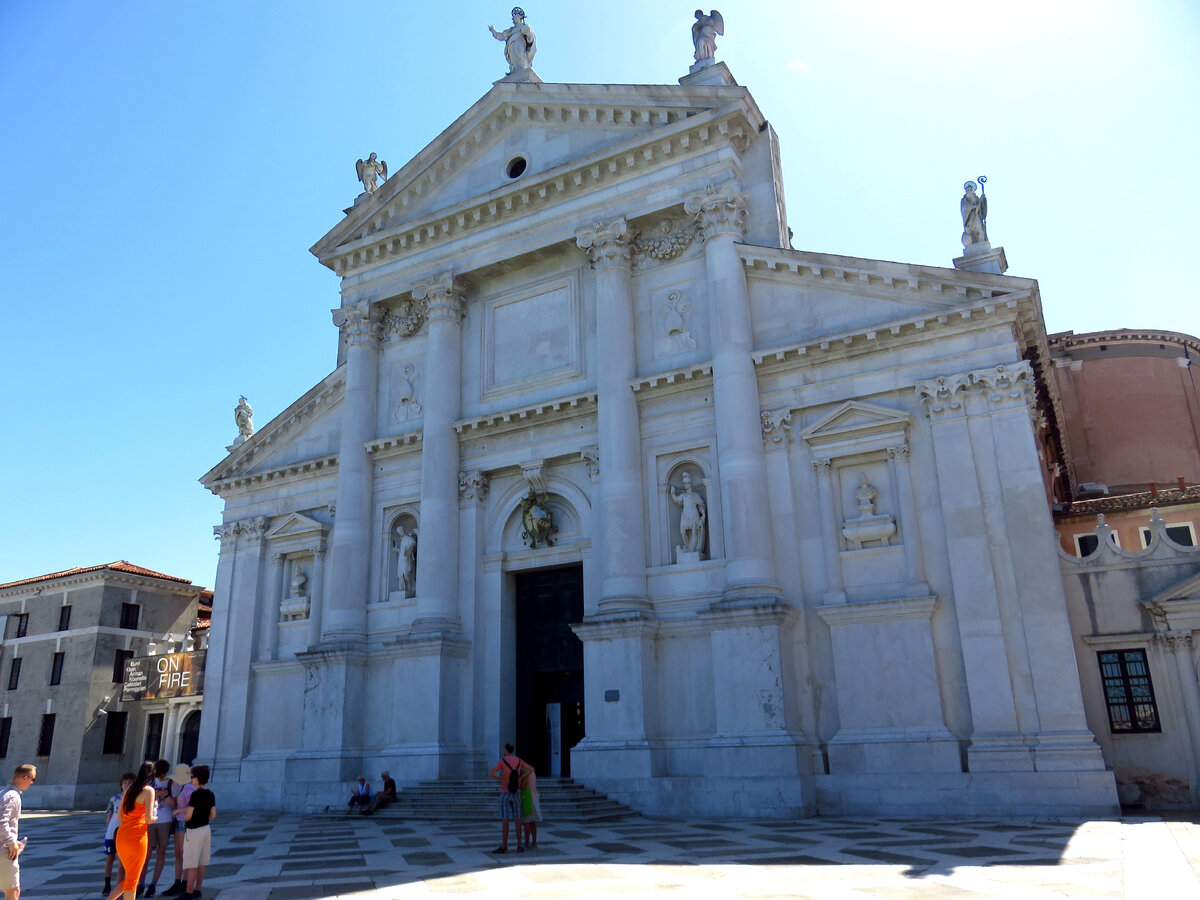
(197, 839)
(531, 810)
(110, 829)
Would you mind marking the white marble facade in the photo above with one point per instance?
(871, 618)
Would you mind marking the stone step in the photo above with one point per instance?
(561, 800)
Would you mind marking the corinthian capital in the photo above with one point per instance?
(1001, 386)
(444, 294)
(606, 245)
(358, 321)
(719, 210)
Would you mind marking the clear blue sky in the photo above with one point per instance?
(164, 167)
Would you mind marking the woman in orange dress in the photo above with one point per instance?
(137, 812)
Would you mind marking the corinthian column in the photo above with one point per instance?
(345, 614)
(437, 559)
(621, 506)
(750, 564)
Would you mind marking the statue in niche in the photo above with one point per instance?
(296, 604)
(370, 171)
(406, 560)
(406, 406)
(869, 525)
(520, 43)
(537, 520)
(974, 214)
(691, 518)
(243, 415)
(704, 34)
(677, 340)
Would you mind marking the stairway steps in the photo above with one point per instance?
(561, 800)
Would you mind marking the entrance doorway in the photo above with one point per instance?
(549, 688)
(189, 738)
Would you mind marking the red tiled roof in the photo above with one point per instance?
(118, 566)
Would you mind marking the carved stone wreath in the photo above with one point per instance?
(666, 243)
(405, 319)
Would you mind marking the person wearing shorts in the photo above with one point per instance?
(161, 828)
(510, 801)
(10, 820)
(197, 840)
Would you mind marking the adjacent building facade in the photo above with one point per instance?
(713, 524)
(68, 639)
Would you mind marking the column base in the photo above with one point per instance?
(781, 753)
(884, 750)
(999, 754)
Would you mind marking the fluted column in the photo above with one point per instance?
(345, 615)
(750, 563)
(621, 509)
(437, 558)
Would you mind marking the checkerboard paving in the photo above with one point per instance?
(269, 857)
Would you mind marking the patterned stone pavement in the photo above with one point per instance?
(264, 857)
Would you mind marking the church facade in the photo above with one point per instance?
(609, 469)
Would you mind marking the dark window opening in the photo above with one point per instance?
(1128, 692)
(114, 732)
(119, 660)
(14, 673)
(130, 613)
(22, 627)
(154, 730)
(5, 731)
(64, 618)
(516, 167)
(46, 735)
(56, 667)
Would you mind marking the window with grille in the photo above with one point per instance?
(46, 735)
(119, 660)
(14, 673)
(1128, 691)
(64, 618)
(130, 613)
(56, 667)
(114, 732)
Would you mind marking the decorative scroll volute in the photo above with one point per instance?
(444, 295)
(719, 210)
(606, 245)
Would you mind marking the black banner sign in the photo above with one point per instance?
(163, 676)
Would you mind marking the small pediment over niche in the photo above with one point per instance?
(854, 427)
(296, 525)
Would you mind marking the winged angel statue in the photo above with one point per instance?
(370, 171)
(704, 33)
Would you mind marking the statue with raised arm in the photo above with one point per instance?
(520, 43)
(370, 171)
(243, 415)
(704, 33)
(974, 216)
(691, 518)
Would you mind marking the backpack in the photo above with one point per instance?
(514, 778)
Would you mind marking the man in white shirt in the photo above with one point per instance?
(10, 820)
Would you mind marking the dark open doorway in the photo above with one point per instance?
(549, 667)
(189, 738)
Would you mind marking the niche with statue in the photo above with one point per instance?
(687, 513)
(403, 539)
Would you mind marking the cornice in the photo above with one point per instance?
(394, 445)
(388, 237)
(1130, 502)
(699, 371)
(305, 468)
(108, 576)
(559, 408)
(1064, 341)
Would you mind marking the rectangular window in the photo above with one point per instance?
(5, 731)
(130, 613)
(46, 735)
(22, 626)
(14, 673)
(154, 730)
(114, 732)
(56, 667)
(1086, 543)
(64, 618)
(1184, 535)
(1128, 691)
(119, 660)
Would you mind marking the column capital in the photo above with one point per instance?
(359, 323)
(227, 535)
(898, 453)
(1002, 386)
(777, 426)
(823, 466)
(606, 245)
(1174, 640)
(719, 210)
(473, 485)
(444, 294)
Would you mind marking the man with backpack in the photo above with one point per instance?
(509, 771)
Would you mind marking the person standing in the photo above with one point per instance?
(197, 841)
(531, 809)
(164, 822)
(10, 820)
(138, 809)
(182, 787)
(110, 830)
(509, 771)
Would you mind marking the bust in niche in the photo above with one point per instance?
(295, 606)
(867, 527)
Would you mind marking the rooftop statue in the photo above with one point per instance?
(974, 214)
(243, 415)
(370, 170)
(704, 33)
(520, 43)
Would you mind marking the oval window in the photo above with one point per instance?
(516, 166)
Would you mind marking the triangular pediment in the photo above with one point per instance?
(853, 421)
(555, 128)
(296, 525)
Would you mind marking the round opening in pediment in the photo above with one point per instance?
(516, 167)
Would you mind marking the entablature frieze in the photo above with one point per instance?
(394, 445)
(387, 238)
(306, 468)
(548, 410)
